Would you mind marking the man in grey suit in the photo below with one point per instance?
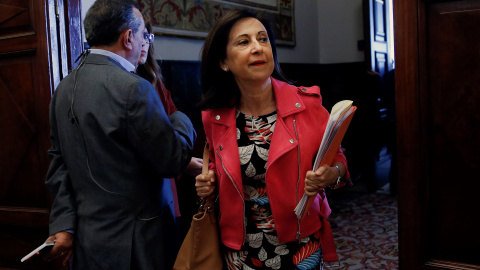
(112, 145)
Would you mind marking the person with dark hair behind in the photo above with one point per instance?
(113, 151)
(263, 134)
(149, 69)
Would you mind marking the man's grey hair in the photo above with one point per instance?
(107, 19)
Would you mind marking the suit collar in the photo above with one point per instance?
(122, 61)
(98, 59)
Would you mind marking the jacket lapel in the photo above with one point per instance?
(224, 122)
(284, 138)
(288, 103)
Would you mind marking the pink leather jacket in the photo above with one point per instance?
(301, 121)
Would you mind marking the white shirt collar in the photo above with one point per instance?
(122, 61)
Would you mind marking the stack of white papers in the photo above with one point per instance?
(340, 117)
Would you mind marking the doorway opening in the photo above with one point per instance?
(380, 59)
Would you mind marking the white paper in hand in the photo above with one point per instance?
(38, 249)
(340, 111)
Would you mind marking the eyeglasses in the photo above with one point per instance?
(148, 38)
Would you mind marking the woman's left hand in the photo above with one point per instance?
(320, 179)
(205, 184)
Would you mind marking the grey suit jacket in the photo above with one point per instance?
(112, 145)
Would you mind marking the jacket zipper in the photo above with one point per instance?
(240, 194)
(298, 179)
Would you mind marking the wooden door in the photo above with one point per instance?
(438, 124)
(32, 45)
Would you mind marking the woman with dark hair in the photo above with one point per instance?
(149, 69)
(263, 135)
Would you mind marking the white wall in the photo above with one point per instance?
(340, 28)
(86, 4)
(306, 33)
(327, 32)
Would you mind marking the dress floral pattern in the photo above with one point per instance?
(262, 249)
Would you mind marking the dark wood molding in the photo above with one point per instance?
(407, 89)
(442, 264)
(24, 216)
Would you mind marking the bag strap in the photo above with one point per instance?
(206, 201)
(206, 154)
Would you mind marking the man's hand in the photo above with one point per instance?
(63, 247)
(194, 168)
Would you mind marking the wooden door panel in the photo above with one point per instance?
(17, 243)
(22, 178)
(381, 63)
(35, 51)
(454, 119)
(15, 18)
(25, 90)
(25, 95)
(379, 21)
(438, 126)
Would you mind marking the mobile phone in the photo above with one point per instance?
(42, 249)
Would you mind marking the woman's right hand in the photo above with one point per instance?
(205, 184)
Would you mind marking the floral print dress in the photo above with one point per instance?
(262, 249)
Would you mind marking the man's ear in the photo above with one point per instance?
(127, 39)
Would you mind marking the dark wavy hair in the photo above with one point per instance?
(219, 87)
(151, 70)
(107, 19)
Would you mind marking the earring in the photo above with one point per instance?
(226, 69)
